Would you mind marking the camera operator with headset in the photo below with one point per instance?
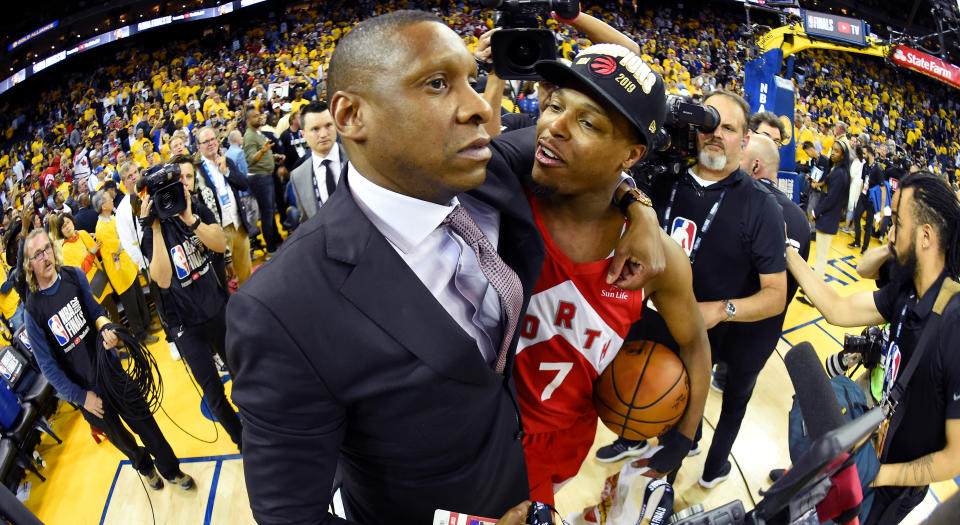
(921, 445)
(179, 235)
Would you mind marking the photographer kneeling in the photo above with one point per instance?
(922, 444)
(186, 232)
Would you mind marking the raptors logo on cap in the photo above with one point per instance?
(604, 66)
(684, 231)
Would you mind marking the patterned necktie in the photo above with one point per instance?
(503, 279)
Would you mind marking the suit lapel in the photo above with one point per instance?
(387, 291)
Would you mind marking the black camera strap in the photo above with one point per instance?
(928, 336)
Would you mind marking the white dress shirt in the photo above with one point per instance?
(435, 253)
(128, 230)
(320, 172)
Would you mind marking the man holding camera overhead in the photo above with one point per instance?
(921, 445)
(185, 231)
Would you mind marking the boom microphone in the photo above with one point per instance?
(815, 396)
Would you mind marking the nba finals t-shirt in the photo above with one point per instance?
(195, 292)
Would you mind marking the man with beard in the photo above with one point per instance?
(925, 447)
(731, 229)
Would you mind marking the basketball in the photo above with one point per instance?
(644, 391)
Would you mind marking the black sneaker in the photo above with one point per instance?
(802, 299)
(853, 245)
(148, 339)
(776, 474)
(708, 481)
(154, 480)
(183, 481)
(621, 448)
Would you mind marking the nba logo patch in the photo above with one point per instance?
(58, 330)
(179, 262)
(25, 340)
(684, 231)
(893, 363)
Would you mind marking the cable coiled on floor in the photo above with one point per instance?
(133, 389)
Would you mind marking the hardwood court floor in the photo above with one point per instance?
(89, 483)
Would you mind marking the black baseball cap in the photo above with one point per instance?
(621, 78)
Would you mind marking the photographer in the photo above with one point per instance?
(179, 248)
(703, 209)
(925, 446)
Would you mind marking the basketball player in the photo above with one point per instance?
(575, 322)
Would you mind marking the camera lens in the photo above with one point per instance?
(524, 52)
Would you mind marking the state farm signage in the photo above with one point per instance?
(927, 64)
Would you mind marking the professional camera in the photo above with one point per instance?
(166, 190)
(521, 43)
(857, 349)
(676, 142)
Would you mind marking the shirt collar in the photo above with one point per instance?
(925, 305)
(333, 155)
(405, 221)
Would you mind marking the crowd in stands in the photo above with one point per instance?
(145, 106)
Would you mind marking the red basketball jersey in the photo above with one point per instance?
(571, 331)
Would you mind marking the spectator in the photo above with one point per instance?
(122, 272)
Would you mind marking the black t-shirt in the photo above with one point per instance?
(745, 239)
(195, 295)
(760, 337)
(933, 394)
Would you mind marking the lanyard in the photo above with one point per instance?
(316, 187)
(888, 378)
(706, 222)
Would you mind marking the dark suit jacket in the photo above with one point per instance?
(830, 207)
(237, 181)
(340, 353)
(302, 179)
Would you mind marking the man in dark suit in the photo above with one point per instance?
(379, 342)
(318, 174)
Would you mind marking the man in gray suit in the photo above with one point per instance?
(317, 176)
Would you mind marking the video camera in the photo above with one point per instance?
(676, 142)
(521, 43)
(166, 190)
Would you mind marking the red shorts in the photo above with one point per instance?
(555, 457)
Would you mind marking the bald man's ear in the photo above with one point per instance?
(746, 140)
(346, 109)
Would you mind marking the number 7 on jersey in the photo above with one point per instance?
(562, 370)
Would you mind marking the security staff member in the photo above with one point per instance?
(732, 230)
(925, 447)
(195, 300)
(60, 299)
(761, 159)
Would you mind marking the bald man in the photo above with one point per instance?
(760, 159)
